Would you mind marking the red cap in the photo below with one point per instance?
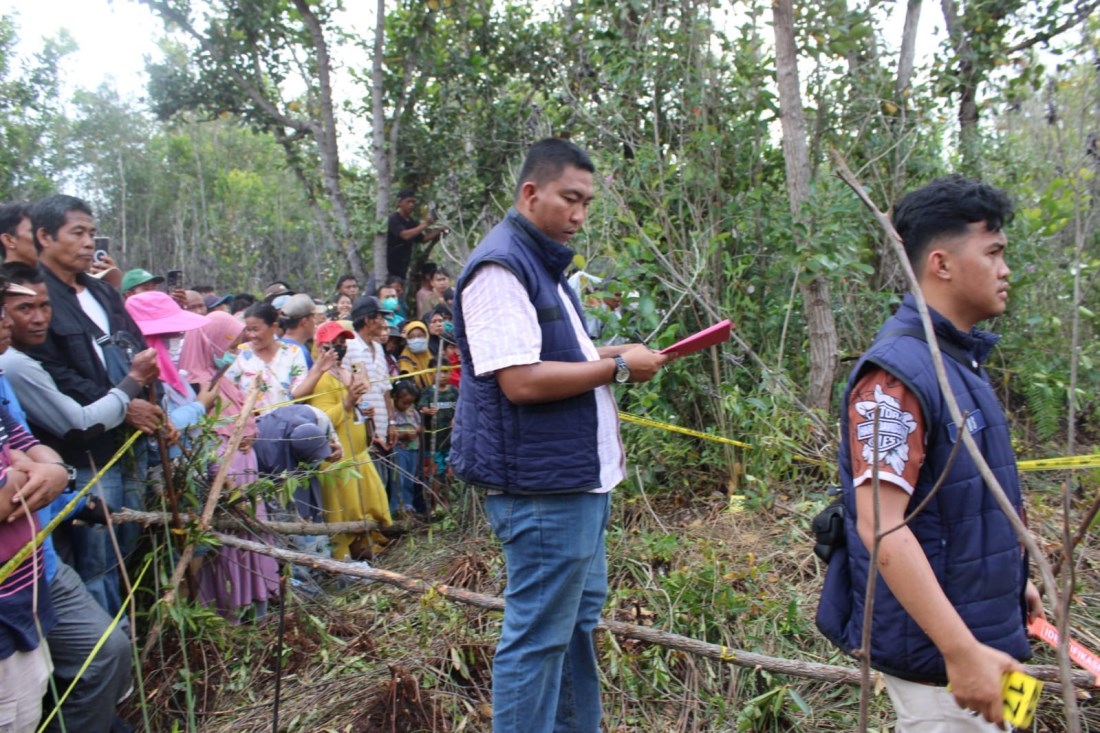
(330, 331)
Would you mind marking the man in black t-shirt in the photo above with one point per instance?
(403, 232)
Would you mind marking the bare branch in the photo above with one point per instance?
(248, 87)
(1084, 10)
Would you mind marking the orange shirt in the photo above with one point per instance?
(900, 430)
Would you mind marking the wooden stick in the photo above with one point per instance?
(362, 526)
(170, 488)
(796, 668)
(207, 513)
(845, 174)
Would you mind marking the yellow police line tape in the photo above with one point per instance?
(626, 416)
(1059, 464)
(17, 559)
(98, 645)
(1035, 464)
(403, 375)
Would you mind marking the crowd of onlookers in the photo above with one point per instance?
(353, 392)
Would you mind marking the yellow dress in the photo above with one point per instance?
(345, 497)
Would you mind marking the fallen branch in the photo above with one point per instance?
(148, 519)
(779, 665)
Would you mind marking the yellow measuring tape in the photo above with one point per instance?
(1059, 464)
(10, 566)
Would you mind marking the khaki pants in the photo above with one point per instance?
(932, 709)
(23, 680)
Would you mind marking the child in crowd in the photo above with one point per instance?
(407, 496)
(437, 409)
(395, 344)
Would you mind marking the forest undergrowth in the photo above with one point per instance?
(367, 657)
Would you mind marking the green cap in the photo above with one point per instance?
(133, 278)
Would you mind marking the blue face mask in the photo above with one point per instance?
(448, 327)
(224, 360)
(389, 304)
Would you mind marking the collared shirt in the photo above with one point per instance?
(371, 359)
(503, 331)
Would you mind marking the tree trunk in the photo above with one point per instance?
(378, 144)
(327, 148)
(908, 50)
(815, 294)
(967, 87)
(122, 201)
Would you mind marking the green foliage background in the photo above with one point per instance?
(677, 104)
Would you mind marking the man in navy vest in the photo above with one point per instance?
(956, 596)
(536, 425)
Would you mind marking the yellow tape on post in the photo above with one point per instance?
(1059, 464)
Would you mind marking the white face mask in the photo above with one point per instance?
(418, 346)
(175, 345)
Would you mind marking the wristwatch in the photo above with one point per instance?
(622, 371)
(72, 475)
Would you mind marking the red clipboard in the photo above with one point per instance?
(716, 334)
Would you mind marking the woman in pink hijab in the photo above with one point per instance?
(230, 579)
(163, 324)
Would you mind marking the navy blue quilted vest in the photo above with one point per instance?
(525, 449)
(970, 544)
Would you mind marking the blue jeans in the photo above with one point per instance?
(405, 496)
(93, 554)
(545, 677)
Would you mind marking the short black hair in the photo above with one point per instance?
(203, 289)
(12, 214)
(21, 273)
(344, 278)
(441, 309)
(241, 301)
(547, 158)
(946, 206)
(49, 214)
(404, 386)
(406, 193)
(392, 280)
(264, 311)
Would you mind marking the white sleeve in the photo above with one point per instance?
(502, 327)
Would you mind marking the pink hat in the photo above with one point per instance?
(155, 313)
(330, 331)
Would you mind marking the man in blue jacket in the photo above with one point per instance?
(956, 598)
(537, 427)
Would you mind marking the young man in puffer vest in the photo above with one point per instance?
(536, 426)
(956, 597)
